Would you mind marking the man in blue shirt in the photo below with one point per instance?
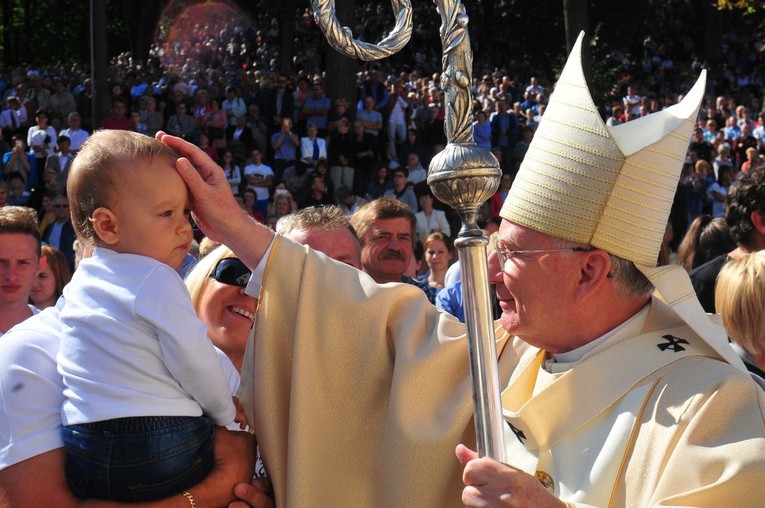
(316, 108)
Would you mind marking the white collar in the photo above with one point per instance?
(561, 362)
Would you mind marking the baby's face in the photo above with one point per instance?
(151, 206)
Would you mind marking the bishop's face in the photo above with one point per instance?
(535, 290)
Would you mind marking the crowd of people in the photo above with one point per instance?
(286, 148)
(215, 83)
(97, 213)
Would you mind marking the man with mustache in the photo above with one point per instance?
(386, 227)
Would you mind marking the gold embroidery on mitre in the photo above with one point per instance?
(577, 166)
(561, 185)
(645, 180)
(584, 148)
(637, 225)
(635, 203)
(552, 202)
(546, 480)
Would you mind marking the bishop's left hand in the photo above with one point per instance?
(491, 483)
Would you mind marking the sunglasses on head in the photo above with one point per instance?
(231, 271)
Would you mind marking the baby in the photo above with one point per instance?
(143, 384)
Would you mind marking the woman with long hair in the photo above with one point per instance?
(380, 184)
(706, 239)
(232, 170)
(41, 140)
(45, 214)
(439, 254)
(50, 281)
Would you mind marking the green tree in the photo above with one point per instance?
(38, 32)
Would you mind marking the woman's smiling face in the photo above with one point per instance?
(228, 313)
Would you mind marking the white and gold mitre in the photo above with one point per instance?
(612, 187)
(609, 187)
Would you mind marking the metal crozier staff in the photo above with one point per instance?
(464, 176)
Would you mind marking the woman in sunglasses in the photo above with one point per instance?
(216, 285)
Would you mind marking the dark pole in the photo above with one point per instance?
(576, 19)
(98, 57)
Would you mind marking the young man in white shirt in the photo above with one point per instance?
(74, 132)
(259, 178)
(399, 111)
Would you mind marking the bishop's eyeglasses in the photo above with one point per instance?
(505, 255)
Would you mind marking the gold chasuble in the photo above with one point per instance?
(362, 391)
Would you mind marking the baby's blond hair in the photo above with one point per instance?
(104, 161)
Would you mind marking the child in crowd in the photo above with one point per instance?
(143, 384)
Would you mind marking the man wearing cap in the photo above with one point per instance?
(612, 396)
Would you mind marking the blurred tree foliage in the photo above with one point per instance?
(40, 32)
(747, 6)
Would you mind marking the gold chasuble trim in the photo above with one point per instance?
(631, 443)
